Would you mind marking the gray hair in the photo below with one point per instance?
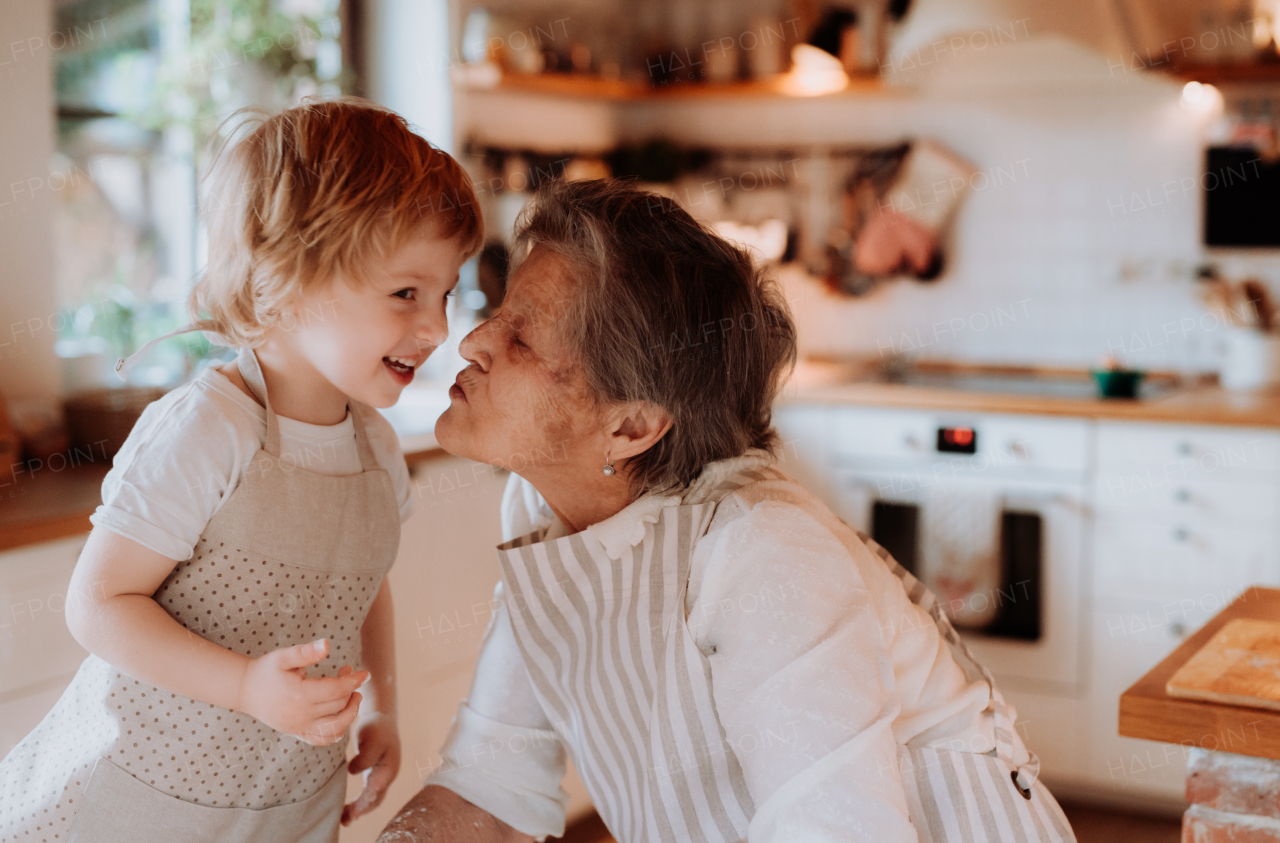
(669, 313)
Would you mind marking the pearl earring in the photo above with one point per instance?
(608, 468)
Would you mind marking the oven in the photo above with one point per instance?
(1004, 495)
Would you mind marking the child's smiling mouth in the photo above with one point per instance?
(401, 368)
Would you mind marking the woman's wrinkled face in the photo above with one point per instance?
(523, 402)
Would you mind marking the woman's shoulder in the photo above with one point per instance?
(774, 497)
(773, 526)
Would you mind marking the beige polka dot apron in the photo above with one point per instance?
(612, 660)
(292, 556)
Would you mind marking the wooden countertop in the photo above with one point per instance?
(1146, 711)
(854, 383)
(49, 504)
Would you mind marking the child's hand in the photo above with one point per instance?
(275, 689)
(378, 740)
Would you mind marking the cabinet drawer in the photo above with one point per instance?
(1171, 562)
(1187, 452)
(883, 434)
(1003, 442)
(1043, 443)
(1148, 497)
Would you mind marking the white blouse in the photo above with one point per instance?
(799, 620)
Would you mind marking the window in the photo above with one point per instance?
(142, 87)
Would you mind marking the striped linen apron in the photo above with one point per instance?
(614, 665)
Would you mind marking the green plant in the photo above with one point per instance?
(244, 52)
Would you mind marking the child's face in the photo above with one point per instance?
(367, 339)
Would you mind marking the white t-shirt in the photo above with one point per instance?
(189, 450)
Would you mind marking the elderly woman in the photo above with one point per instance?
(722, 658)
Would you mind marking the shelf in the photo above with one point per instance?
(483, 78)
(1228, 73)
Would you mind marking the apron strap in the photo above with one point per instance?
(368, 461)
(251, 371)
(124, 364)
(247, 361)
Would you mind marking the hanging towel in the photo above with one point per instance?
(960, 551)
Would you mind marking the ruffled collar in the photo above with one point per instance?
(619, 533)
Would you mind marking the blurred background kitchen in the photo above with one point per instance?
(1031, 247)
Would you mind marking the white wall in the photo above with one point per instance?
(407, 63)
(1079, 241)
(28, 367)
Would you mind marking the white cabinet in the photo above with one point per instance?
(1184, 513)
(873, 436)
(1155, 451)
(1179, 520)
(1184, 520)
(1128, 638)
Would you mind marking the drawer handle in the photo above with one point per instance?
(1177, 630)
(1182, 496)
(1184, 448)
(1181, 534)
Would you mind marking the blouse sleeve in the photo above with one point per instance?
(502, 754)
(803, 680)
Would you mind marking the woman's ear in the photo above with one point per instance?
(635, 428)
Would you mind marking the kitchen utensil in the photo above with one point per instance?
(1240, 665)
(1223, 297)
(1259, 297)
(1117, 383)
(930, 184)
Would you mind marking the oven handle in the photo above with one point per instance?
(1014, 499)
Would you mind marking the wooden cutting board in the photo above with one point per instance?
(1239, 665)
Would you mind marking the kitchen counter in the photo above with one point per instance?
(1232, 751)
(1147, 711)
(858, 383)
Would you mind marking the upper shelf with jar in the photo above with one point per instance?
(1266, 72)
(591, 86)
(676, 49)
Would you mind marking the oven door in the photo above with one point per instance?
(1035, 640)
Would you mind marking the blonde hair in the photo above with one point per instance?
(315, 192)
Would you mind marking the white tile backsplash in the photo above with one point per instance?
(1095, 248)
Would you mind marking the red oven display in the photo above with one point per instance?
(958, 440)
